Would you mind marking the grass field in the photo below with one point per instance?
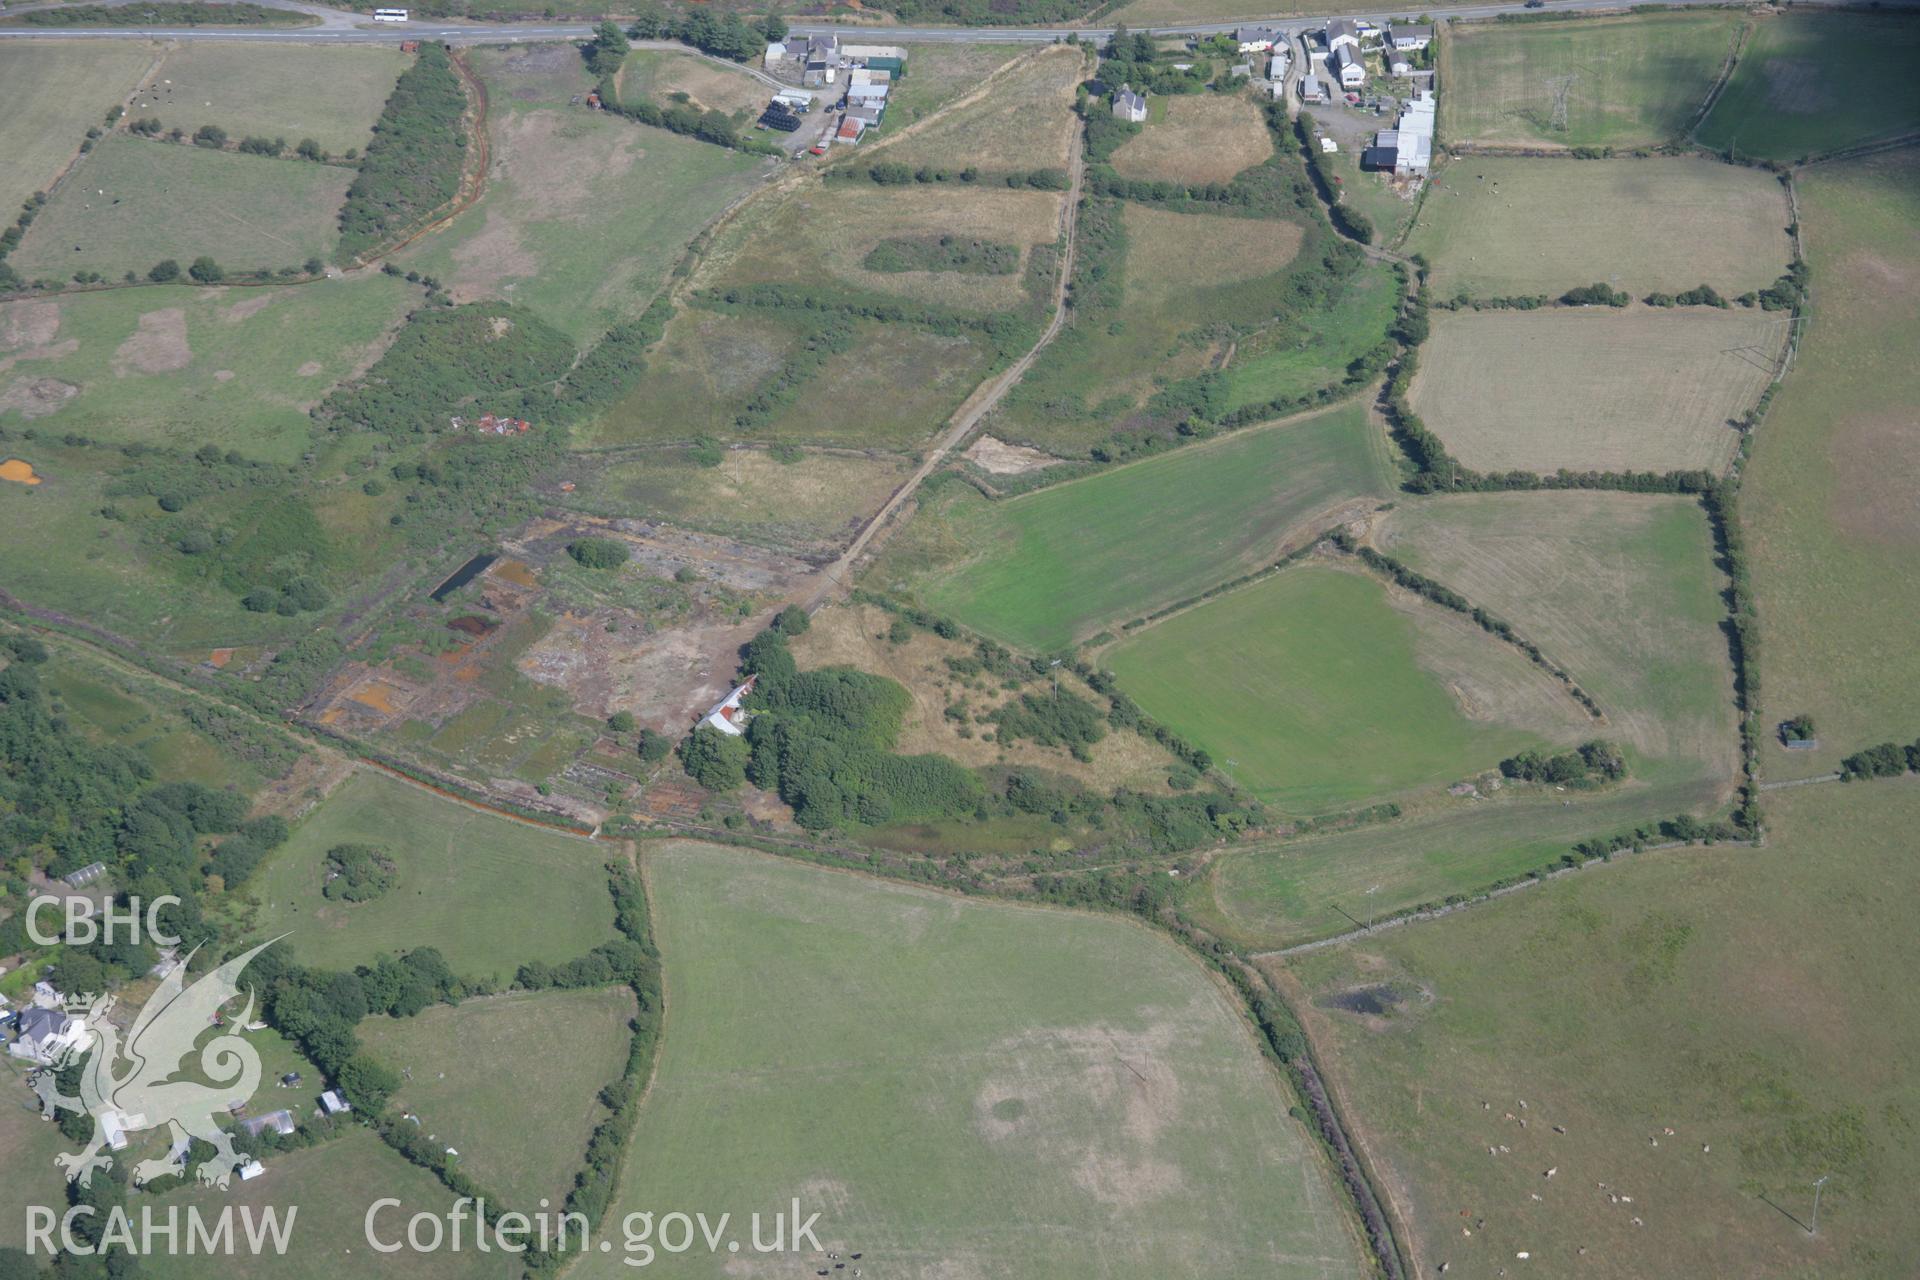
(1829, 506)
(1671, 1026)
(891, 390)
(584, 212)
(1810, 84)
(1204, 138)
(45, 119)
(937, 74)
(1594, 387)
(133, 202)
(1500, 226)
(819, 235)
(28, 1176)
(1619, 589)
(1634, 80)
(661, 75)
(185, 366)
(484, 1078)
(330, 1189)
(961, 1089)
(330, 93)
(817, 501)
(1321, 694)
(1023, 122)
(1044, 570)
(1301, 357)
(1186, 277)
(489, 892)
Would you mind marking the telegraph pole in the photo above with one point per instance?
(1819, 1182)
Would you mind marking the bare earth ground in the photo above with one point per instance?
(999, 458)
(1594, 387)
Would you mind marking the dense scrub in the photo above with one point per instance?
(413, 164)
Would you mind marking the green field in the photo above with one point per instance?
(43, 119)
(485, 1078)
(584, 212)
(329, 93)
(1702, 1033)
(1299, 358)
(1631, 81)
(1050, 568)
(490, 893)
(1311, 690)
(1496, 226)
(28, 1177)
(1809, 84)
(184, 366)
(329, 1191)
(134, 202)
(1829, 504)
(961, 1088)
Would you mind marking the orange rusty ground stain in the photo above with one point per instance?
(468, 674)
(454, 657)
(515, 572)
(17, 471)
(378, 696)
(330, 715)
(220, 657)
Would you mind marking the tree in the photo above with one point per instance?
(598, 553)
(210, 135)
(774, 25)
(650, 21)
(653, 747)
(715, 760)
(164, 270)
(621, 722)
(792, 621)
(308, 149)
(206, 270)
(608, 49)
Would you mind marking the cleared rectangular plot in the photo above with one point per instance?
(1627, 80)
(44, 118)
(1204, 138)
(330, 93)
(1502, 226)
(960, 1088)
(1054, 566)
(133, 202)
(1024, 120)
(1595, 388)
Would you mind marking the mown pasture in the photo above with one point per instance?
(1203, 138)
(960, 1087)
(44, 118)
(489, 892)
(183, 366)
(1661, 1033)
(328, 1191)
(1630, 80)
(28, 1177)
(1829, 507)
(1501, 226)
(1315, 693)
(485, 1078)
(939, 73)
(1186, 281)
(662, 76)
(1025, 121)
(584, 212)
(1595, 388)
(329, 93)
(132, 202)
(1811, 84)
(821, 236)
(1046, 569)
(812, 502)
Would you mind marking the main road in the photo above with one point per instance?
(339, 27)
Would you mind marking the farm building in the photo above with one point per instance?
(727, 715)
(850, 130)
(1344, 65)
(1407, 149)
(1409, 37)
(1256, 39)
(280, 1122)
(1314, 90)
(333, 1104)
(1277, 64)
(1130, 106)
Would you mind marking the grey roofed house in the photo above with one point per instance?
(1252, 37)
(1339, 31)
(1410, 35)
(1345, 66)
(1128, 105)
(822, 47)
(39, 1025)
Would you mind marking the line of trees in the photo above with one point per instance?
(413, 164)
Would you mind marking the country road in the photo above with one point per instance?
(340, 27)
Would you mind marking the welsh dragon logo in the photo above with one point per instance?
(146, 1095)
